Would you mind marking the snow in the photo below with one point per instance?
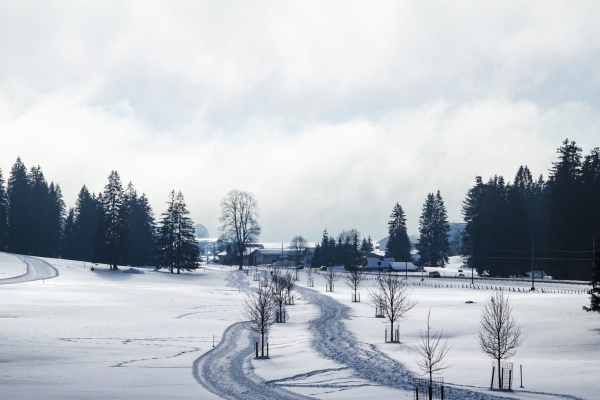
(108, 334)
(11, 266)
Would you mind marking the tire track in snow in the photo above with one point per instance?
(334, 341)
(36, 270)
(226, 369)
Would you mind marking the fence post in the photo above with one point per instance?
(492, 382)
(510, 380)
(430, 391)
(521, 367)
(442, 391)
(385, 335)
(256, 347)
(417, 392)
(267, 349)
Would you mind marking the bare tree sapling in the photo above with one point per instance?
(499, 335)
(393, 297)
(432, 352)
(258, 312)
(355, 279)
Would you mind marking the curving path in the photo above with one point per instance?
(226, 369)
(36, 270)
(334, 341)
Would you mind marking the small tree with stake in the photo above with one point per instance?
(432, 352)
(354, 279)
(279, 287)
(259, 314)
(330, 278)
(594, 292)
(393, 297)
(499, 335)
(309, 276)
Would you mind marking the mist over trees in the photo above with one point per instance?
(557, 218)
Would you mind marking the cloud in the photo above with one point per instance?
(329, 112)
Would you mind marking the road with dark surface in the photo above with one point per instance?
(36, 270)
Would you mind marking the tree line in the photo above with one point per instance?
(549, 223)
(114, 227)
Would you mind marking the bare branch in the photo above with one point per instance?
(499, 335)
(432, 351)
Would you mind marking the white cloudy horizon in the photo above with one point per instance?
(329, 112)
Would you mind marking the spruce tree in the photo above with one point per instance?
(56, 221)
(566, 211)
(114, 227)
(85, 226)
(177, 247)
(142, 228)
(39, 212)
(3, 214)
(434, 241)
(398, 245)
(19, 210)
(370, 244)
(69, 250)
(317, 261)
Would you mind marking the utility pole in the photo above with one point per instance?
(532, 271)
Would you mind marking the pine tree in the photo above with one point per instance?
(56, 221)
(85, 227)
(39, 211)
(142, 228)
(177, 247)
(325, 249)
(19, 211)
(3, 214)
(114, 228)
(370, 244)
(69, 250)
(566, 210)
(398, 245)
(317, 259)
(434, 242)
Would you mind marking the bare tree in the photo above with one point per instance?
(499, 335)
(298, 247)
(330, 278)
(239, 211)
(355, 279)
(258, 312)
(432, 351)
(289, 283)
(309, 275)
(279, 287)
(393, 297)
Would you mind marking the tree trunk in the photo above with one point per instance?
(262, 347)
(499, 375)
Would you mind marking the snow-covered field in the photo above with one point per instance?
(118, 335)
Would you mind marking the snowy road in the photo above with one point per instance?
(36, 270)
(226, 370)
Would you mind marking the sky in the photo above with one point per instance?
(330, 112)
